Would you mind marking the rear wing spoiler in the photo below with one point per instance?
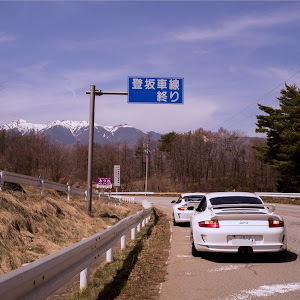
(238, 210)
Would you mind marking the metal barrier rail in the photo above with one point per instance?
(18, 178)
(279, 195)
(125, 199)
(41, 278)
(33, 181)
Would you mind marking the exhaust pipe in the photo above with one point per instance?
(245, 250)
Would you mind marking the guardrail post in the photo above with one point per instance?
(133, 233)
(84, 278)
(43, 187)
(109, 255)
(69, 193)
(138, 227)
(143, 223)
(85, 195)
(123, 242)
(1, 180)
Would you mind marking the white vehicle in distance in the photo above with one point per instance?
(236, 223)
(184, 207)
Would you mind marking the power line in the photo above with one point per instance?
(255, 102)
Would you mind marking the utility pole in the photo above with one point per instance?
(147, 162)
(92, 94)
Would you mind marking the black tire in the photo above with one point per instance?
(281, 254)
(174, 222)
(195, 252)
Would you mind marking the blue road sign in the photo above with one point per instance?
(155, 90)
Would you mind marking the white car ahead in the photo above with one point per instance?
(184, 207)
(236, 223)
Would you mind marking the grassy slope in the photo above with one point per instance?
(33, 226)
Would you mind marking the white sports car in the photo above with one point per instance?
(184, 207)
(236, 223)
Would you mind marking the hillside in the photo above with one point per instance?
(33, 226)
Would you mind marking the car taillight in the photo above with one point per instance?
(182, 208)
(276, 223)
(209, 224)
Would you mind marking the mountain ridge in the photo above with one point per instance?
(68, 132)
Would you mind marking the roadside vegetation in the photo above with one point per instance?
(137, 271)
(199, 160)
(292, 201)
(282, 126)
(33, 226)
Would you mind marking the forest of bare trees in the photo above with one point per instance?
(194, 161)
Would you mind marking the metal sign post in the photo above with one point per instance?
(92, 94)
(140, 90)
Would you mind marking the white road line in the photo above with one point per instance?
(183, 256)
(227, 268)
(265, 291)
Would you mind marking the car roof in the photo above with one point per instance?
(231, 194)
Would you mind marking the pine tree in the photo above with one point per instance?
(282, 127)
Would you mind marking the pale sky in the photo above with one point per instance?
(232, 55)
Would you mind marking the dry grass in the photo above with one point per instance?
(142, 264)
(295, 201)
(33, 226)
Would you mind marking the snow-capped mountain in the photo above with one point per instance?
(71, 132)
(23, 127)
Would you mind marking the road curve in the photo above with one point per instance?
(220, 276)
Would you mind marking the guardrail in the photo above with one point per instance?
(278, 195)
(125, 198)
(41, 278)
(133, 193)
(46, 184)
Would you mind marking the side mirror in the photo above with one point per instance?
(191, 208)
(173, 201)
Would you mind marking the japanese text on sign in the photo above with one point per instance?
(117, 175)
(155, 90)
(104, 183)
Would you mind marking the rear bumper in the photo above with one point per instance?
(182, 217)
(213, 240)
(234, 249)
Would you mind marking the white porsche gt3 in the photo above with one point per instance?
(184, 207)
(235, 222)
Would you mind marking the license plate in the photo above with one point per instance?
(243, 240)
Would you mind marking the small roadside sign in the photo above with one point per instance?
(104, 182)
(155, 90)
(117, 175)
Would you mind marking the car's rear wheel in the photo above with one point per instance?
(174, 222)
(281, 254)
(195, 252)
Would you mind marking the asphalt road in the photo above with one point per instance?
(229, 276)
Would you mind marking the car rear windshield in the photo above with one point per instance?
(235, 200)
(194, 198)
